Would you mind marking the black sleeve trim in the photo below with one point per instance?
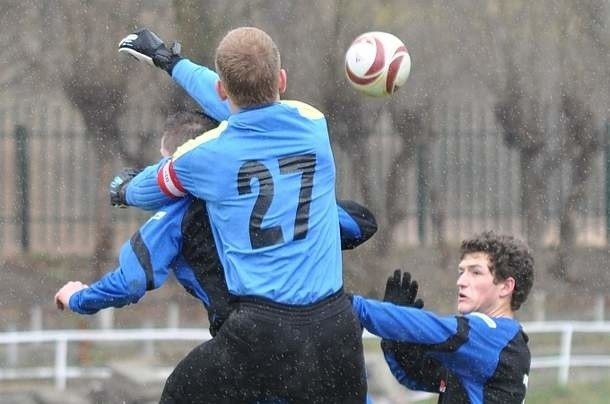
(454, 342)
(143, 255)
(365, 220)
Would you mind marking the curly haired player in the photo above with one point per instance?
(478, 356)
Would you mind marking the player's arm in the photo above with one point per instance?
(198, 81)
(357, 224)
(144, 264)
(412, 367)
(139, 188)
(406, 324)
(409, 363)
(400, 318)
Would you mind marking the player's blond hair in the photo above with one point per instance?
(248, 63)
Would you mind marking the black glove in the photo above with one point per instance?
(402, 293)
(118, 186)
(145, 45)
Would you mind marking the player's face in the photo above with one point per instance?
(476, 288)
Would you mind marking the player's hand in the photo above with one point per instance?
(62, 297)
(118, 186)
(146, 46)
(402, 292)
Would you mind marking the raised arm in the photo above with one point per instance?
(198, 81)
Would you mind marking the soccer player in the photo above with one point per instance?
(477, 356)
(267, 176)
(178, 238)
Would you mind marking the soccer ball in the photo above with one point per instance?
(377, 63)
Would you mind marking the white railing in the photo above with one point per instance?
(60, 372)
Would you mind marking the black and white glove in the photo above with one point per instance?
(118, 186)
(146, 46)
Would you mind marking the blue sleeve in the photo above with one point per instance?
(200, 83)
(405, 324)
(125, 285)
(143, 190)
(144, 263)
(357, 224)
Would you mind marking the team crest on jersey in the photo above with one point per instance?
(158, 216)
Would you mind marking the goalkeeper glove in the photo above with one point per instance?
(145, 45)
(402, 293)
(118, 186)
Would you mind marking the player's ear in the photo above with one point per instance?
(220, 90)
(508, 286)
(282, 82)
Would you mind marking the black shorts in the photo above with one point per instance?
(277, 353)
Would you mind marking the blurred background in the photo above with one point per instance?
(503, 124)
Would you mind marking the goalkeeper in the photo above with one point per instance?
(178, 239)
(267, 175)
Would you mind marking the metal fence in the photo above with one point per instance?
(49, 179)
(561, 357)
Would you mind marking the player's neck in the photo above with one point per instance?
(502, 310)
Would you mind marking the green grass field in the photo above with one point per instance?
(597, 393)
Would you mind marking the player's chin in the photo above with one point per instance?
(463, 307)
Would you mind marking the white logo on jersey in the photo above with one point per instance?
(158, 215)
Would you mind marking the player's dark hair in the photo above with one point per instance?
(185, 125)
(509, 257)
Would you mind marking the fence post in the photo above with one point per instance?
(566, 351)
(539, 303)
(598, 308)
(422, 193)
(61, 360)
(22, 183)
(12, 349)
(173, 315)
(106, 319)
(607, 151)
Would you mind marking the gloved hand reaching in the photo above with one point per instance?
(118, 186)
(146, 46)
(402, 292)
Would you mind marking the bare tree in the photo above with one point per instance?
(83, 59)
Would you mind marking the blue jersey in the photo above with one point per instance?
(268, 177)
(178, 239)
(467, 359)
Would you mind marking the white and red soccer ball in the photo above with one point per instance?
(377, 63)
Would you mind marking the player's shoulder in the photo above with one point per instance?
(204, 138)
(303, 109)
(500, 325)
(168, 214)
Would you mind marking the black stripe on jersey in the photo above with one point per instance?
(458, 339)
(199, 251)
(508, 383)
(143, 255)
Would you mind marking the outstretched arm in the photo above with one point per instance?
(144, 264)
